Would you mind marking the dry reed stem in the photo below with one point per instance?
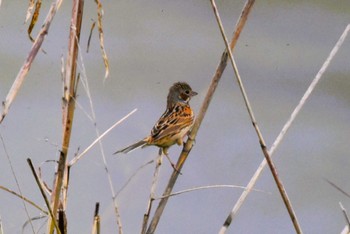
(272, 166)
(37, 180)
(29, 60)
(62, 220)
(68, 103)
(153, 192)
(188, 145)
(283, 131)
(96, 224)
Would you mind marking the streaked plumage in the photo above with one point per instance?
(174, 124)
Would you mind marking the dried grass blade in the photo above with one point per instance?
(100, 30)
(89, 40)
(29, 60)
(29, 10)
(34, 19)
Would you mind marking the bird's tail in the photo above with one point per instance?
(132, 147)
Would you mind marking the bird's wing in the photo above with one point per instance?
(172, 122)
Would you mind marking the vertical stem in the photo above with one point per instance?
(68, 102)
(188, 146)
(272, 166)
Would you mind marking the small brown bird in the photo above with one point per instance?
(174, 124)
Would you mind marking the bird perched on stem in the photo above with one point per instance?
(173, 125)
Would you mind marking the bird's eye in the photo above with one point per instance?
(187, 92)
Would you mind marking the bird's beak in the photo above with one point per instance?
(193, 93)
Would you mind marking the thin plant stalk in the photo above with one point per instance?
(37, 180)
(24, 199)
(85, 84)
(16, 180)
(68, 103)
(77, 158)
(133, 176)
(153, 192)
(204, 187)
(189, 143)
(285, 128)
(272, 166)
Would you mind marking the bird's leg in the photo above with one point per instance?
(159, 159)
(165, 151)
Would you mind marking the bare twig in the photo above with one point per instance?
(153, 192)
(37, 180)
(29, 60)
(285, 128)
(189, 143)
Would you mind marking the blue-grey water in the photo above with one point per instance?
(151, 45)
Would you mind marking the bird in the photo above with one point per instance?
(175, 123)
